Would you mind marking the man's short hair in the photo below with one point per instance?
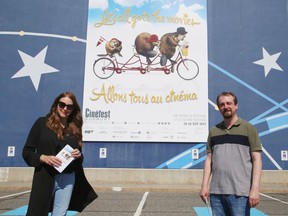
(226, 93)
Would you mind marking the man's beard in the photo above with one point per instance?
(227, 114)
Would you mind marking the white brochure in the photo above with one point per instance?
(65, 156)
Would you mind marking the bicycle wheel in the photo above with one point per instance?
(103, 68)
(187, 69)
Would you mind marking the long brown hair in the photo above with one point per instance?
(74, 123)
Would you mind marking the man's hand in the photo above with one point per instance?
(204, 194)
(254, 197)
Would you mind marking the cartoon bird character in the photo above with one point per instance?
(168, 44)
(145, 44)
(113, 46)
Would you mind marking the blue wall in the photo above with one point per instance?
(237, 33)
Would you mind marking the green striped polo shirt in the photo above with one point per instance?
(231, 157)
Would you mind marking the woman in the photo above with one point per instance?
(51, 190)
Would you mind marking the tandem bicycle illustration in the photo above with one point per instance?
(104, 67)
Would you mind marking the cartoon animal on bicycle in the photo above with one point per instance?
(147, 45)
(113, 46)
(168, 44)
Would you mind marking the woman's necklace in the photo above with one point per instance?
(63, 125)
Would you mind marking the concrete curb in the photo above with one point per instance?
(19, 178)
(267, 188)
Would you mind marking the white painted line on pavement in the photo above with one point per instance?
(118, 189)
(274, 198)
(141, 204)
(16, 194)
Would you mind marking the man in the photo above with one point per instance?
(233, 162)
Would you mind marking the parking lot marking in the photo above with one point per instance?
(140, 207)
(23, 209)
(15, 194)
(203, 211)
(273, 198)
(200, 211)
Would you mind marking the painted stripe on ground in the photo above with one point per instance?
(22, 212)
(203, 211)
(200, 211)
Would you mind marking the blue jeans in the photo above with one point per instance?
(229, 205)
(63, 188)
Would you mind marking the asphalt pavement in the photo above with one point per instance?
(120, 202)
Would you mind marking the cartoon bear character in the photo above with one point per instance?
(113, 46)
(145, 43)
(168, 44)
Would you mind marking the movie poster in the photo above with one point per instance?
(146, 77)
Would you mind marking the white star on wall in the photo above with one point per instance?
(269, 61)
(34, 67)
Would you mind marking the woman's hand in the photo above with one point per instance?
(50, 160)
(76, 153)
